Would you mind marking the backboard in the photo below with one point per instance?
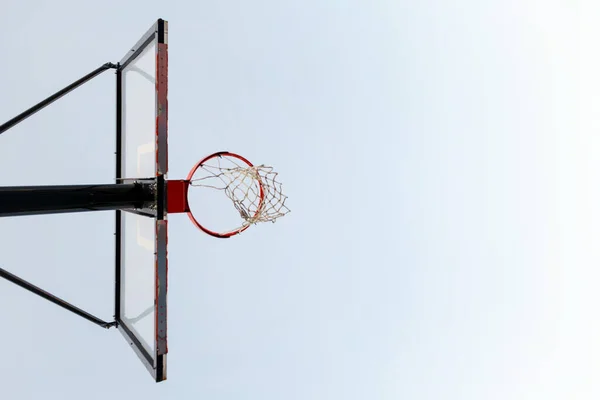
(141, 234)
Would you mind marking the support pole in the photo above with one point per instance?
(35, 200)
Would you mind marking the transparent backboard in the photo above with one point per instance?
(141, 261)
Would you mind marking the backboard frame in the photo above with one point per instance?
(156, 361)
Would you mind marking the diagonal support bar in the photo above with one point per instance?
(28, 113)
(56, 300)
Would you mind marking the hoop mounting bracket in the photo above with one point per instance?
(177, 192)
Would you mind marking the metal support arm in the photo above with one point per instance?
(56, 300)
(29, 112)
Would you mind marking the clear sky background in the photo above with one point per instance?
(442, 164)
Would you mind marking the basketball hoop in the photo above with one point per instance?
(254, 191)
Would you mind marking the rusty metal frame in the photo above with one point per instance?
(156, 361)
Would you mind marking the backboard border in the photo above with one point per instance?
(155, 365)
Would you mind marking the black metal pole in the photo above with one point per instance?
(56, 300)
(34, 200)
(27, 113)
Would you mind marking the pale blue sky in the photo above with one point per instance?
(440, 159)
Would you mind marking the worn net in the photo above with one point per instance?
(255, 191)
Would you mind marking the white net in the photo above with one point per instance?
(255, 192)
